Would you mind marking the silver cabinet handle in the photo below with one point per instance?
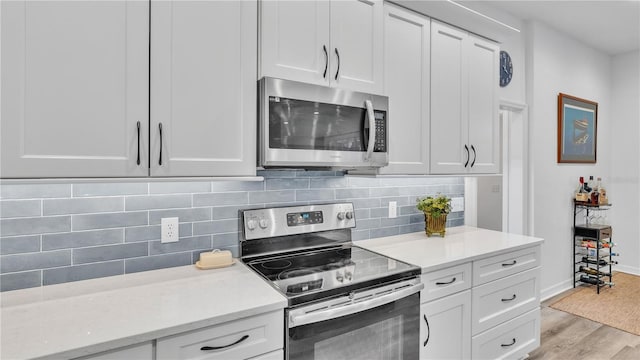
(372, 129)
(338, 70)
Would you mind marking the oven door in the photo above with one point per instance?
(382, 323)
(305, 125)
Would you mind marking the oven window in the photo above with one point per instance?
(308, 125)
(388, 332)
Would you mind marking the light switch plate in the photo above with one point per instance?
(457, 204)
(393, 209)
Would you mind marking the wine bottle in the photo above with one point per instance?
(592, 271)
(594, 281)
(599, 262)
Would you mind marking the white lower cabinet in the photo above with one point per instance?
(510, 340)
(445, 327)
(254, 337)
(488, 308)
(142, 351)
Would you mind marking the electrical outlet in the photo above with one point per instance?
(169, 230)
(393, 209)
(457, 204)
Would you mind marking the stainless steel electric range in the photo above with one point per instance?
(344, 302)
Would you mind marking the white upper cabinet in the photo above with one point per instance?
(74, 89)
(484, 120)
(203, 88)
(406, 64)
(464, 109)
(335, 43)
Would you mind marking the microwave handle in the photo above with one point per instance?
(372, 129)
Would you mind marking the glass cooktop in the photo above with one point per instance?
(308, 276)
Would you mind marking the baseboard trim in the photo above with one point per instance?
(627, 269)
(556, 289)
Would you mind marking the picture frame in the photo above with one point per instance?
(577, 130)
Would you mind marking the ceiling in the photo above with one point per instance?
(610, 26)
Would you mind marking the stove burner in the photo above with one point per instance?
(287, 274)
(276, 264)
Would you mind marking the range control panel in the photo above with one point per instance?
(272, 222)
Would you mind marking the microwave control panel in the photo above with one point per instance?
(381, 132)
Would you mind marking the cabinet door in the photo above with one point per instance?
(484, 121)
(445, 328)
(449, 99)
(294, 40)
(356, 45)
(406, 83)
(74, 88)
(203, 88)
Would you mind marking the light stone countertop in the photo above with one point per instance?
(460, 244)
(79, 318)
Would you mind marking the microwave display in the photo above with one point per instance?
(309, 125)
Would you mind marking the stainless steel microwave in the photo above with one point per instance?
(311, 126)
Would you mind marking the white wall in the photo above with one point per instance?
(624, 184)
(558, 63)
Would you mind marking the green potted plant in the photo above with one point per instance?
(435, 209)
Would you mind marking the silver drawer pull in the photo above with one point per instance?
(512, 298)
(208, 348)
(509, 264)
(507, 345)
(447, 283)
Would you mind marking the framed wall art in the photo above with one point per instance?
(577, 129)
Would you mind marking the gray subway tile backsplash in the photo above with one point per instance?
(55, 233)
(110, 189)
(20, 280)
(34, 191)
(157, 262)
(82, 239)
(35, 225)
(19, 244)
(34, 261)
(82, 205)
(110, 252)
(20, 208)
(82, 272)
(109, 220)
(190, 243)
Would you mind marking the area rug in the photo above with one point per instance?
(618, 307)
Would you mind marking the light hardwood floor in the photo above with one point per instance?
(566, 336)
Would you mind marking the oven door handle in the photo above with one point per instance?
(372, 129)
(352, 307)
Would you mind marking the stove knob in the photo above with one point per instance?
(349, 214)
(251, 224)
(263, 224)
(348, 275)
(341, 215)
(339, 277)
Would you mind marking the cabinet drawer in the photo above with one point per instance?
(502, 265)
(499, 301)
(445, 282)
(142, 351)
(511, 340)
(265, 333)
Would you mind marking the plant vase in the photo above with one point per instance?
(435, 225)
